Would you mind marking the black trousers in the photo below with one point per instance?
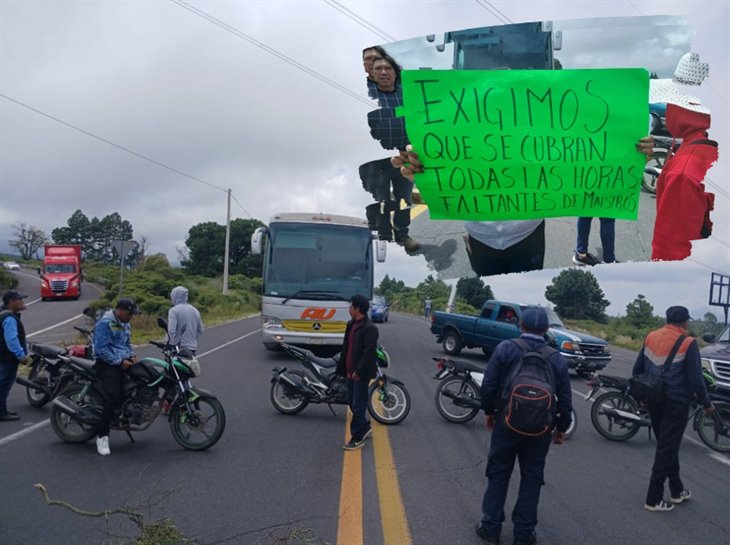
(669, 419)
(112, 382)
(526, 255)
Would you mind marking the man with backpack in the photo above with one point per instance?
(522, 381)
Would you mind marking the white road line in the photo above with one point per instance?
(55, 326)
(17, 435)
(39, 425)
(720, 458)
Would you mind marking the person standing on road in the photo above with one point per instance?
(427, 308)
(358, 364)
(184, 325)
(114, 355)
(507, 443)
(681, 380)
(13, 350)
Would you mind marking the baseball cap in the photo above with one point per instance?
(12, 294)
(535, 319)
(677, 315)
(125, 303)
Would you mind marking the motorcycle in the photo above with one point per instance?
(458, 396)
(196, 417)
(618, 415)
(291, 391)
(48, 375)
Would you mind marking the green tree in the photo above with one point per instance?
(577, 295)
(473, 291)
(640, 313)
(206, 248)
(28, 240)
(95, 236)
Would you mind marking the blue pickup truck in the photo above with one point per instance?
(499, 320)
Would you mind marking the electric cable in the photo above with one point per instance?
(359, 20)
(271, 51)
(494, 11)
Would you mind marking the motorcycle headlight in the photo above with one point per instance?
(269, 321)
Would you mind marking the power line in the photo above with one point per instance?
(359, 20)
(272, 51)
(113, 144)
(722, 191)
(239, 204)
(635, 7)
(494, 11)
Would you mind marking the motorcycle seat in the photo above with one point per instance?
(86, 365)
(323, 362)
(47, 350)
(469, 366)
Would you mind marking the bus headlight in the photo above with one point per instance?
(270, 321)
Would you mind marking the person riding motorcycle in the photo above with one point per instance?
(114, 355)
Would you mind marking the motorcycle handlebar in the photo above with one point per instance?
(82, 330)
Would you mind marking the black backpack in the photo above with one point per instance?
(528, 391)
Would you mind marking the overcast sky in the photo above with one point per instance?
(166, 83)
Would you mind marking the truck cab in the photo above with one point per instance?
(61, 273)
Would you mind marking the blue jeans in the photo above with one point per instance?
(504, 448)
(608, 237)
(8, 372)
(357, 399)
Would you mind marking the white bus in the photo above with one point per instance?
(313, 264)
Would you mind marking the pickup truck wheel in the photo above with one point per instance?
(452, 344)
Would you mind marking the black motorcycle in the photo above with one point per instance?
(291, 391)
(458, 396)
(196, 417)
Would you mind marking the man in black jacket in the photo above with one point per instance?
(358, 364)
(13, 349)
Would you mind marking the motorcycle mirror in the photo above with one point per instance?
(162, 322)
(88, 311)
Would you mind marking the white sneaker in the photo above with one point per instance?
(102, 445)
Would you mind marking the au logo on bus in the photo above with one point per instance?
(313, 313)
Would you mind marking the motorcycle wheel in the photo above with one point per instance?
(388, 403)
(40, 375)
(716, 436)
(200, 429)
(285, 398)
(609, 426)
(71, 430)
(573, 425)
(658, 158)
(447, 406)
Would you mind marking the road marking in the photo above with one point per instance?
(18, 434)
(229, 343)
(392, 512)
(55, 326)
(349, 524)
(417, 210)
(720, 458)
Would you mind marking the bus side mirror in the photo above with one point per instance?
(380, 246)
(257, 241)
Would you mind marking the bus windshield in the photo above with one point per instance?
(315, 261)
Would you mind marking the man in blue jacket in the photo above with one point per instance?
(13, 350)
(507, 444)
(114, 355)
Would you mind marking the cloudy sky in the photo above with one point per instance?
(180, 84)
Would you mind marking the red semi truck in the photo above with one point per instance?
(61, 274)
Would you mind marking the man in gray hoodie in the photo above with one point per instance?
(184, 325)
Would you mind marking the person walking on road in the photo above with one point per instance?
(527, 360)
(114, 355)
(675, 357)
(184, 325)
(13, 349)
(427, 308)
(358, 364)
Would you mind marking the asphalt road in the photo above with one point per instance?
(271, 474)
(442, 243)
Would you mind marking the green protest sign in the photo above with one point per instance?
(527, 144)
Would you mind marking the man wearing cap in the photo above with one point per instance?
(506, 445)
(681, 381)
(114, 354)
(13, 349)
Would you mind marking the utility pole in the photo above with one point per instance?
(228, 244)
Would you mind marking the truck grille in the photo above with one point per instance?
(593, 349)
(59, 285)
(722, 369)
